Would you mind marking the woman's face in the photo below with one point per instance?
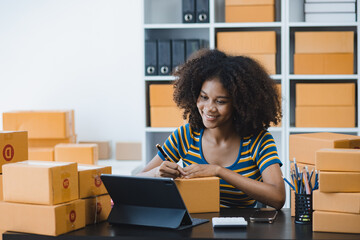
(214, 104)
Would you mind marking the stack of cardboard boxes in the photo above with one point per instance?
(329, 52)
(305, 149)
(260, 45)
(330, 11)
(77, 152)
(249, 11)
(337, 202)
(325, 105)
(45, 130)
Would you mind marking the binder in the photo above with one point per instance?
(202, 11)
(191, 46)
(164, 57)
(151, 57)
(177, 52)
(188, 11)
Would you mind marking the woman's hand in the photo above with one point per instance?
(201, 170)
(169, 169)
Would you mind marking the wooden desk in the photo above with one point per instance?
(283, 228)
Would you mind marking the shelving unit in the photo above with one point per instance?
(163, 19)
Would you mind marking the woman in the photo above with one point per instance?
(229, 101)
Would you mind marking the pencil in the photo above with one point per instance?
(163, 153)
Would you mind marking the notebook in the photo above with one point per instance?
(146, 201)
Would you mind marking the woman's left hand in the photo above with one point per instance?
(201, 170)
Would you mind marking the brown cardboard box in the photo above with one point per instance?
(325, 94)
(340, 160)
(161, 95)
(249, 13)
(103, 147)
(41, 154)
(1, 233)
(292, 203)
(323, 63)
(41, 219)
(40, 182)
(128, 151)
(249, 2)
(90, 183)
(336, 222)
(339, 181)
(303, 146)
(324, 42)
(166, 117)
(268, 61)
(50, 143)
(97, 209)
(200, 194)
(243, 43)
(1, 187)
(41, 124)
(13, 147)
(336, 202)
(80, 153)
(325, 116)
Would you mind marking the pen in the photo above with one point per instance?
(289, 183)
(163, 153)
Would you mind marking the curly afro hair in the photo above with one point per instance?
(255, 98)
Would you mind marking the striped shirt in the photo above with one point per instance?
(255, 154)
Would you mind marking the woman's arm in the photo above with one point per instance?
(270, 192)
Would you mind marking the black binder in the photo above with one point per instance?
(188, 11)
(145, 201)
(151, 57)
(202, 11)
(164, 57)
(191, 46)
(177, 52)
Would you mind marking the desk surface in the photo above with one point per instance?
(282, 228)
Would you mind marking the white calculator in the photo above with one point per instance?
(229, 222)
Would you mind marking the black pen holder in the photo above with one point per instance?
(303, 208)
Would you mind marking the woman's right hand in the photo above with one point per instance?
(170, 170)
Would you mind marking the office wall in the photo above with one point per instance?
(84, 55)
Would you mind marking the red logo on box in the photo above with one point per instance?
(98, 181)
(66, 183)
(72, 216)
(8, 152)
(98, 208)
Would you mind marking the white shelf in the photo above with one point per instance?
(248, 25)
(152, 129)
(323, 77)
(176, 26)
(323, 24)
(342, 130)
(159, 78)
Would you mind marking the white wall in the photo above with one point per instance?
(84, 55)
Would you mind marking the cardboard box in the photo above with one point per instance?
(325, 94)
(268, 61)
(97, 209)
(41, 124)
(42, 219)
(103, 147)
(325, 116)
(40, 182)
(323, 63)
(200, 195)
(13, 147)
(336, 202)
(161, 95)
(166, 117)
(80, 153)
(243, 43)
(128, 151)
(339, 181)
(303, 146)
(41, 154)
(1, 187)
(50, 143)
(340, 160)
(249, 2)
(336, 222)
(249, 13)
(90, 183)
(324, 42)
(292, 203)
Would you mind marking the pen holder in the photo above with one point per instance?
(303, 208)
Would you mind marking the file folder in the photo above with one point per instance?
(191, 46)
(151, 57)
(202, 11)
(188, 10)
(177, 52)
(164, 57)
